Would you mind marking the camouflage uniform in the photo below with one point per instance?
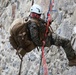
(66, 44)
(36, 32)
(53, 39)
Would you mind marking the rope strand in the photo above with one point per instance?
(49, 20)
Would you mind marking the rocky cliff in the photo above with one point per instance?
(63, 15)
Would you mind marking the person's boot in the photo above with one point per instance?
(72, 62)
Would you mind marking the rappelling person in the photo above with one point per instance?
(30, 36)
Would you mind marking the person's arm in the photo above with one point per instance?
(33, 28)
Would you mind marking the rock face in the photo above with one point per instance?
(63, 15)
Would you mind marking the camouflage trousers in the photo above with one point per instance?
(66, 44)
(69, 51)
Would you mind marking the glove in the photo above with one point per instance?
(43, 43)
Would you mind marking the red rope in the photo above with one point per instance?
(45, 67)
(52, 2)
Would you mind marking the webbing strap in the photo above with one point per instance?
(20, 67)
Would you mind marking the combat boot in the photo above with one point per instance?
(72, 62)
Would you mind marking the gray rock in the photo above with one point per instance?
(64, 20)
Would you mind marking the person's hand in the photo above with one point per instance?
(43, 42)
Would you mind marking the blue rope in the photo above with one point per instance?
(49, 9)
(50, 5)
